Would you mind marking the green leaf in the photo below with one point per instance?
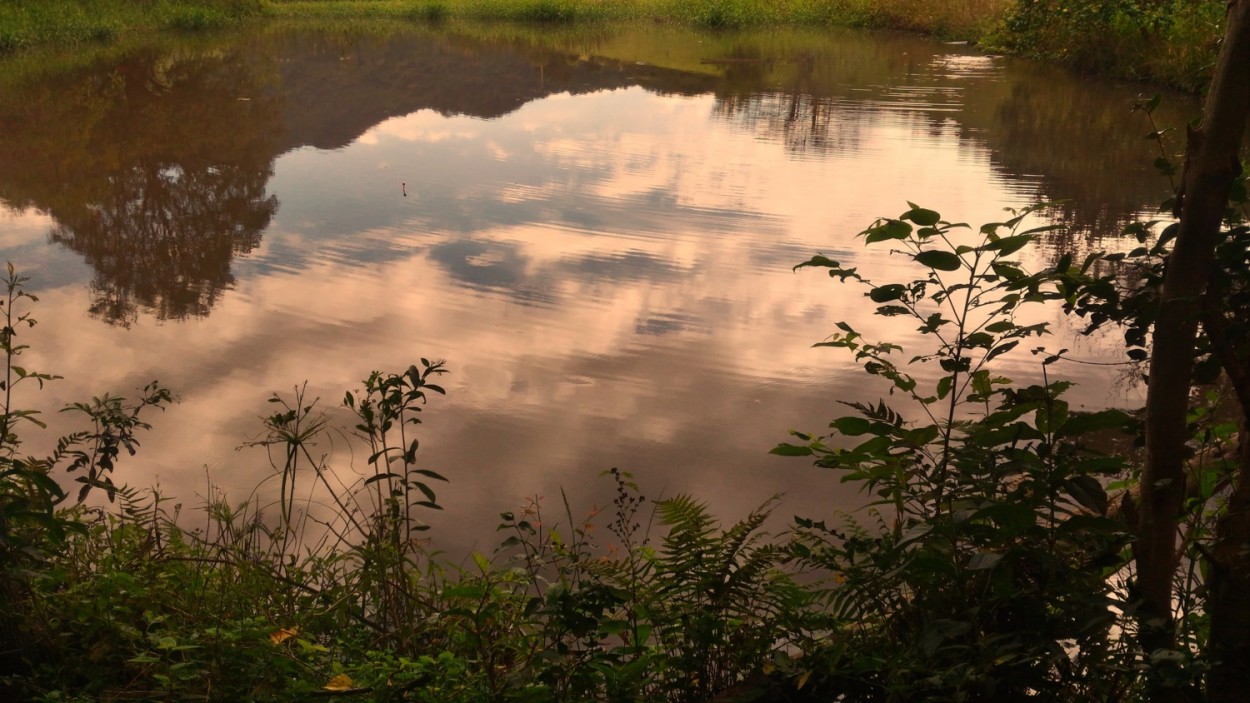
(978, 339)
(921, 436)
(890, 229)
(892, 310)
(1081, 423)
(1051, 417)
(819, 260)
(381, 477)
(1043, 228)
(922, 216)
(984, 560)
(1001, 349)
(1088, 493)
(851, 425)
(875, 446)
(939, 260)
(1011, 517)
(791, 450)
(1010, 245)
(884, 294)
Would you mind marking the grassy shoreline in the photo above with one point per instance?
(1172, 41)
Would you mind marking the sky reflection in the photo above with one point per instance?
(608, 275)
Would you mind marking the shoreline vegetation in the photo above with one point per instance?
(1173, 42)
(1001, 555)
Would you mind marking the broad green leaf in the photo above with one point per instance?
(1001, 349)
(921, 436)
(851, 426)
(892, 310)
(1088, 493)
(922, 216)
(1052, 416)
(978, 339)
(1010, 245)
(791, 450)
(1081, 423)
(884, 294)
(984, 560)
(939, 260)
(1043, 228)
(876, 445)
(818, 260)
(1010, 517)
(890, 229)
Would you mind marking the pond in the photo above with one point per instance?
(596, 230)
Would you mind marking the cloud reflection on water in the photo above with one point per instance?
(608, 275)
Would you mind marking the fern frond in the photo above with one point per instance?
(879, 412)
(690, 525)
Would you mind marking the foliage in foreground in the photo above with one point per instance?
(279, 603)
(993, 565)
(989, 570)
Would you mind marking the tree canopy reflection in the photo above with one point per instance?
(1038, 123)
(155, 166)
(155, 171)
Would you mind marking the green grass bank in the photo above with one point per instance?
(1167, 41)
(30, 23)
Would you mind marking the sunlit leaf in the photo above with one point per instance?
(342, 682)
(286, 633)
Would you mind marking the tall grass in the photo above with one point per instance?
(28, 23)
(966, 18)
(1168, 41)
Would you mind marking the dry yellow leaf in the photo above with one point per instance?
(283, 635)
(342, 682)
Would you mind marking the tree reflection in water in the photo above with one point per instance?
(154, 171)
(155, 166)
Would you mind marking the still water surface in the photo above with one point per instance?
(596, 232)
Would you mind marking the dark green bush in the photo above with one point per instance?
(1163, 40)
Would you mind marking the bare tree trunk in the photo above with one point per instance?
(1211, 164)
(1228, 600)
